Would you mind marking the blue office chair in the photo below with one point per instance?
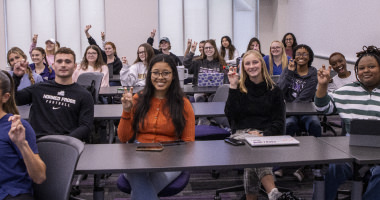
(176, 186)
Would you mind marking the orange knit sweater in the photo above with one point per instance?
(158, 127)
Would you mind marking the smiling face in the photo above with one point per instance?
(161, 77)
(225, 43)
(209, 50)
(276, 49)
(141, 53)
(91, 56)
(201, 47)
(252, 66)
(109, 50)
(164, 45)
(50, 46)
(289, 40)
(37, 57)
(302, 57)
(338, 63)
(369, 72)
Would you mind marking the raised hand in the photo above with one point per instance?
(87, 28)
(233, 77)
(153, 33)
(103, 35)
(127, 99)
(291, 65)
(324, 75)
(124, 60)
(193, 46)
(188, 43)
(34, 39)
(17, 131)
(19, 68)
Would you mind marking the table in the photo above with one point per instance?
(202, 155)
(188, 89)
(361, 155)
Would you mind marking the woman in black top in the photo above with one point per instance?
(255, 107)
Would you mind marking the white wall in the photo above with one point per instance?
(326, 26)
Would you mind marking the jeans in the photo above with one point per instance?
(146, 185)
(339, 173)
(310, 122)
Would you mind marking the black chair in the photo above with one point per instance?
(86, 80)
(60, 154)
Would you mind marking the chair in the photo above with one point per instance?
(60, 154)
(176, 186)
(205, 132)
(86, 79)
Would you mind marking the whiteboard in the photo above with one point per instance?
(328, 26)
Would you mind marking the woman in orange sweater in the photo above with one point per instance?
(161, 112)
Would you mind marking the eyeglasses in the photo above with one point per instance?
(275, 48)
(206, 48)
(92, 53)
(141, 52)
(157, 74)
(288, 39)
(302, 55)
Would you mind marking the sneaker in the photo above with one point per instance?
(288, 196)
(279, 173)
(274, 194)
(299, 174)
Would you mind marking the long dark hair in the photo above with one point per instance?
(149, 53)
(99, 61)
(231, 48)
(367, 51)
(294, 40)
(174, 104)
(7, 86)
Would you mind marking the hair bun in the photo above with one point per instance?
(368, 50)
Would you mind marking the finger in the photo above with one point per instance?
(330, 68)
(125, 90)
(323, 67)
(131, 90)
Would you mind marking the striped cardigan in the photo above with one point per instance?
(351, 101)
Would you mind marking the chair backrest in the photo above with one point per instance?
(221, 93)
(86, 79)
(60, 154)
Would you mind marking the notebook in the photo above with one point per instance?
(271, 140)
(365, 132)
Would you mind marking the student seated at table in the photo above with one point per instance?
(255, 107)
(40, 66)
(93, 62)
(362, 97)
(163, 47)
(59, 106)
(339, 65)
(20, 71)
(277, 60)
(20, 163)
(135, 74)
(161, 112)
(228, 50)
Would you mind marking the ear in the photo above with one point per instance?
(5, 98)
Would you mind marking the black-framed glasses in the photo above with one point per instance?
(157, 74)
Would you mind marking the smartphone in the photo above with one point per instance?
(234, 142)
(172, 143)
(149, 147)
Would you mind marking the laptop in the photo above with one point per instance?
(271, 141)
(365, 132)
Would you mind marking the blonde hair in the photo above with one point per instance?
(18, 51)
(284, 58)
(264, 72)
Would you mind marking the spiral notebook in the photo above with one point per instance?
(271, 141)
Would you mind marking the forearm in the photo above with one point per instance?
(124, 130)
(81, 133)
(321, 90)
(35, 166)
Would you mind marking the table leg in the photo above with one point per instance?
(98, 192)
(111, 130)
(319, 184)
